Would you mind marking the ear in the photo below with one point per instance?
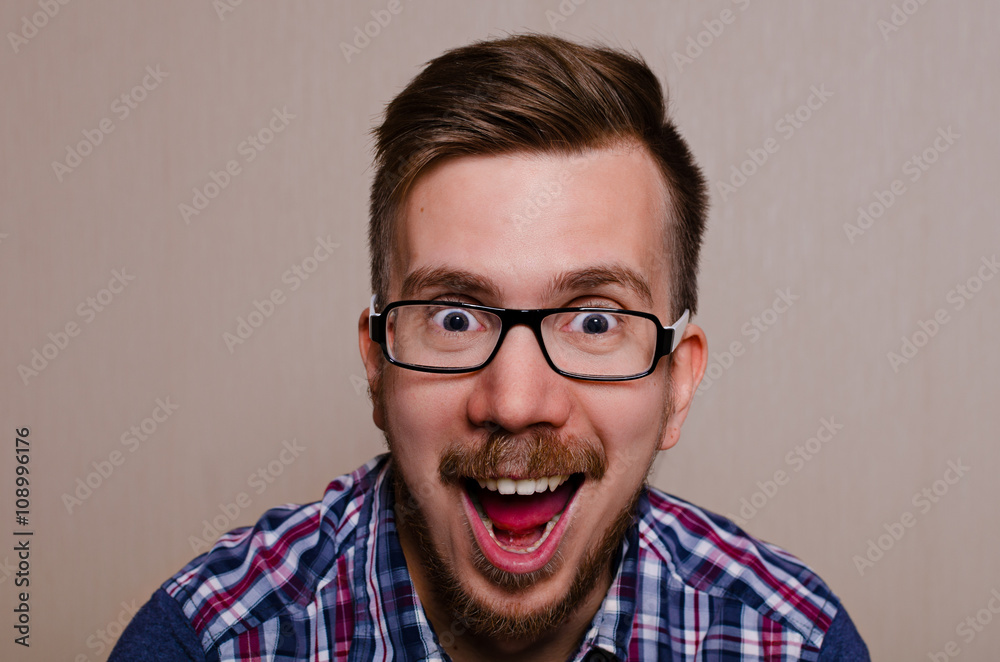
(686, 370)
(371, 355)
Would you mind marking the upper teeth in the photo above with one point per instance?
(523, 486)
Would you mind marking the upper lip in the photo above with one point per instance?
(532, 476)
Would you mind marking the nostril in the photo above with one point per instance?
(491, 427)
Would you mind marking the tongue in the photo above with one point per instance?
(521, 513)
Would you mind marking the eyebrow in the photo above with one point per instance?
(594, 277)
(456, 280)
(466, 282)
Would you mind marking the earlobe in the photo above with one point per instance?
(686, 370)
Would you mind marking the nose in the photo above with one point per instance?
(518, 389)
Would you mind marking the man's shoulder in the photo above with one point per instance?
(261, 573)
(744, 582)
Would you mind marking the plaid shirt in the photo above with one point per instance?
(328, 581)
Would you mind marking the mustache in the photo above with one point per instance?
(538, 453)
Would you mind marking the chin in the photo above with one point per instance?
(516, 587)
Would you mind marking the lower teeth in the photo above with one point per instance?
(521, 550)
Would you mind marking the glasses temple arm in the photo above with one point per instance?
(678, 329)
(372, 315)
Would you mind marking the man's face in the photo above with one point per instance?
(525, 231)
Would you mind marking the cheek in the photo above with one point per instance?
(424, 414)
(417, 430)
(629, 422)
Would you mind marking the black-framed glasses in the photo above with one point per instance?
(597, 344)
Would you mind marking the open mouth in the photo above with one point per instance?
(517, 521)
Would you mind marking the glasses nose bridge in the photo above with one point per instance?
(511, 317)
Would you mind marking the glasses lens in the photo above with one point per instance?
(600, 343)
(441, 336)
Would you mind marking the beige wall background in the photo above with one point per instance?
(887, 80)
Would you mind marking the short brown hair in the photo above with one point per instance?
(534, 93)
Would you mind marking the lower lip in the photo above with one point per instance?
(516, 562)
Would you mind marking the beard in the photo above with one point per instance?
(539, 452)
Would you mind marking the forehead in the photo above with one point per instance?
(524, 224)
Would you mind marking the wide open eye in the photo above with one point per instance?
(593, 323)
(457, 320)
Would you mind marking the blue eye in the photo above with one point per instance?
(593, 323)
(457, 320)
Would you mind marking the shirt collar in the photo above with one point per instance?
(397, 614)
(611, 628)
